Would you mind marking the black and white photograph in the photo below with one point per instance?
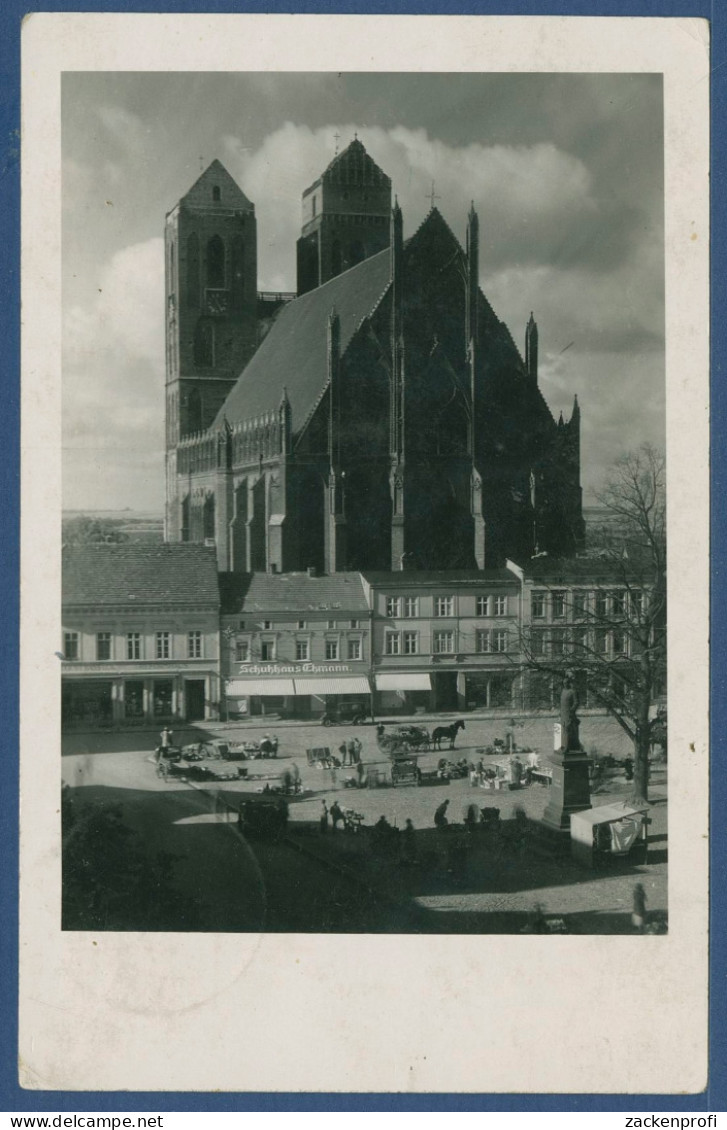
(368, 385)
(364, 531)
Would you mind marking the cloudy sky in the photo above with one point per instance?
(565, 171)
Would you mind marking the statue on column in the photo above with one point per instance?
(569, 720)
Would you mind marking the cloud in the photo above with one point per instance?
(532, 200)
(113, 380)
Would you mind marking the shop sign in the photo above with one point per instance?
(258, 669)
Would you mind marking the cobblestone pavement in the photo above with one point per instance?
(487, 888)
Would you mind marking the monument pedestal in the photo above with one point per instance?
(570, 790)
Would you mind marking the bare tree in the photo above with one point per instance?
(608, 610)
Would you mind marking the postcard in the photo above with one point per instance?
(364, 697)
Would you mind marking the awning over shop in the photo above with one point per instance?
(414, 681)
(243, 688)
(351, 685)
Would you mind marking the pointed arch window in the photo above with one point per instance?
(215, 263)
(208, 517)
(357, 253)
(185, 518)
(238, 272)
(204, 345)
(216, 193)
(194, 411)
(193, 269)
(335, 258)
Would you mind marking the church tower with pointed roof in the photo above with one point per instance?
(346, 214)
(211, 311)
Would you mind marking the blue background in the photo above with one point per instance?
(12, 1098)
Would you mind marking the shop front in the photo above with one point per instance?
(404, 692)
(130, 697)
(295, 691)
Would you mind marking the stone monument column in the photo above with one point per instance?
(570, 789)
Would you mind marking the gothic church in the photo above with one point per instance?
(382, 418)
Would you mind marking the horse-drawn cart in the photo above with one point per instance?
(403, 740)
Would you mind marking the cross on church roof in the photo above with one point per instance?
(337, 138)
(432, 196)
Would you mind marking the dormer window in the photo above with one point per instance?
(216, 193)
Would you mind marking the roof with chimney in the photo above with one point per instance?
(292, 592)
(139, 574)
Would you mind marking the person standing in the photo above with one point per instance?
(441, 823)
(323, 823)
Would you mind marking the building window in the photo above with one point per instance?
(483, 606)
(558, 605)
(354, 624)
(163, 691)
(216, 193)
(103, 645)
(411, 643)
(204, 345)
(133, 645)
(331, 625)
(392, 606)
(444, 606)
(618, 639)
(580, 641)
(637, 603)
(331, 649)
(194, 645)
(266, 625)
(242, 651)
(70, 645)
(354, 649)
(601, 604)
(241, 625)
(267, 651)
(537, 643)
(538, 605)
(482, 641)
(501, 606)
(392, 643)
(215, 263)
(411, 607)
(579, 604)
(618, 603)
(601, 642)
(443, 642)
(301, 624)
(557, 643)
(499, 641)
(302, 649)
(162, 645)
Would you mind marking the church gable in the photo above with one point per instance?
(215, 190)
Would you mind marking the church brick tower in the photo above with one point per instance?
(346, 216)
(211, 311)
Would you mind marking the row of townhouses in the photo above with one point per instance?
(153, 633)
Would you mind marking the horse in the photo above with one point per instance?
(449, 732)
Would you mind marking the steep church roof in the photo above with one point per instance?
(228, 197)
(294, 354)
